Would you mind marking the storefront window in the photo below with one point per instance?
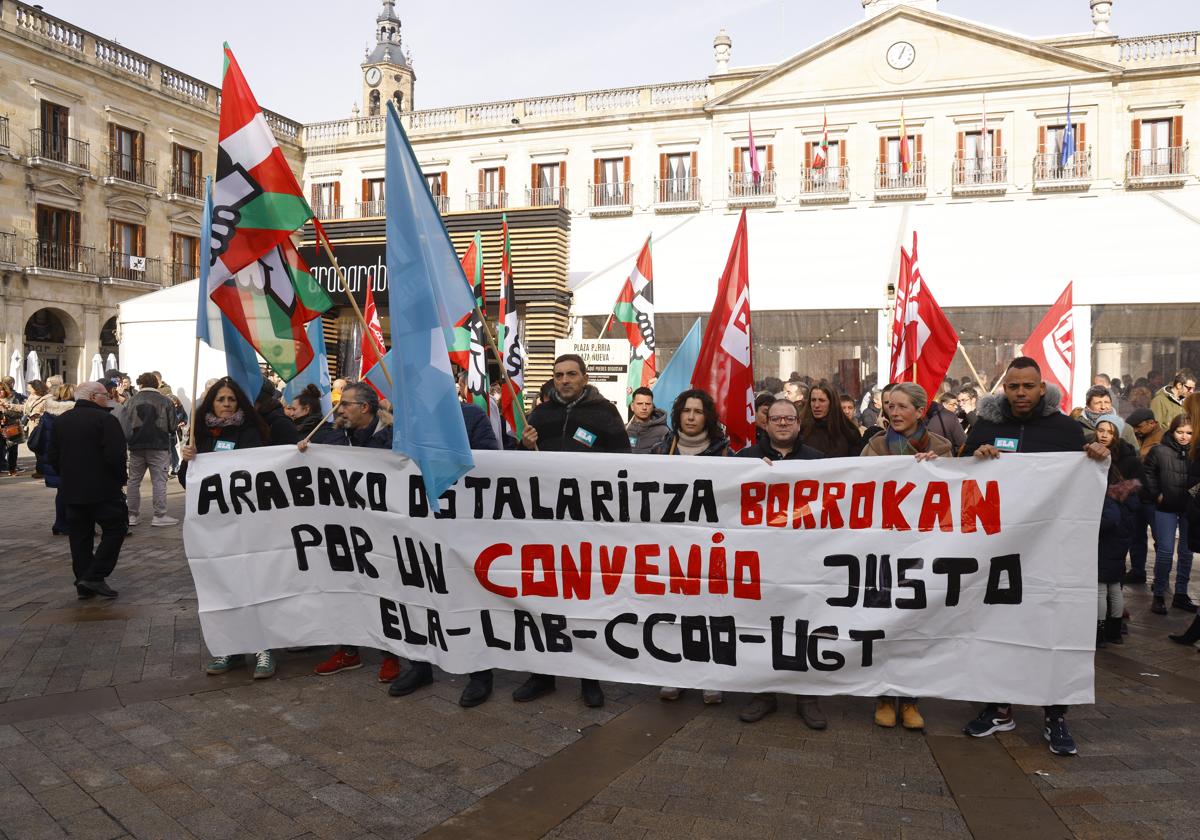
(1132, 341)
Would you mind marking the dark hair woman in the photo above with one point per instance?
(269, 407)
(1191, 410)
(305, 410)
(226, 419)
(823, 424)
(1167, 486)
(695, 429)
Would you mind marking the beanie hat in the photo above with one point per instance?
(1117, 422)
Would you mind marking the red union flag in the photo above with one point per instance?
(724, 368)
(1052, 346)
(372, 340)
(927, 340)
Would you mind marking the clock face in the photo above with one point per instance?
(901, 55)
(373, 76)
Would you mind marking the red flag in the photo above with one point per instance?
(905, 155)
(929, 341)
(1052, 346)
(903, 287)
(724, 368)
(372, 341)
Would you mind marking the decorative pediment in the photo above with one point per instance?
(127, 204)
(185, 219)
(54, 188)
(909, 49)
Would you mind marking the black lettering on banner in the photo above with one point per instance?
(270, 494)
(652, 648)
(526, 624)
(868, 638)
(645, 488)
(489, 634)
(211, 491)
(362, 546)
(829, 660)
(304, 537)
(327, 489)
(723, 633)
(704, 501)
(418, 502)
(622, 496)
(508, 495)
(337, 547)
(416, 557)
(918, 600)
(601, 492)
(877, 592)
(376, 491)
(536, 509)
(433, 626)
(478, 484)
(610, 638)
(673, 512)
(239, 491)
(954, 568)
(350, 482)
(568, 500)
(557, 641)
(798, 659)
(851, 564)
(1005, 564)
(388, 619)
(447, 506)
(694, 630)
(410, 635)
(299, 481)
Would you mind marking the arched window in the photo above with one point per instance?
(373, 104)
(398, 98)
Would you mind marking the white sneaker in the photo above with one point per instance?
(134, 519)
(668, 693)
(163, 521)
(712, 698)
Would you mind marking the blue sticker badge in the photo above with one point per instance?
(224, 446)
(1006, 444)
(633, 440)
(585, 437)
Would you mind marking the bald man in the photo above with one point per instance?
(89, 453)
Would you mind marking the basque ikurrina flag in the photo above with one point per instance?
(635, 309)
(256, 277)
(511, 347)
(469, 344)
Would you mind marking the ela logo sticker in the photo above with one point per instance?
(1006, 444)
(224, 446)
(585, 437)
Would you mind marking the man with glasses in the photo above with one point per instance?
(782, 443)
(1168, 402)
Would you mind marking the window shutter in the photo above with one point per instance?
(175, 156)
(841, 153)
(366, 190)
(1080, 137)
(771, 158)
(501, 178)
(141, 241)
(112, 235)
(597, 171)
(997, 143)
(692, 172)
(1135, 139)
(737, 159)
(1177, 132)
(918, 155)
(662, 167)
(482, 181)
(443, 177)
(139, 147)
(197, 163)
(337, 194)
(883, 141)
(808, 155)
(1041, 139)
(175, 248)
(112, 137)
(533, 177)
(962, 142)
(562, 173)
(314, 195)
(625, 163)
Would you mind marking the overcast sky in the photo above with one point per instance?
(302, 56)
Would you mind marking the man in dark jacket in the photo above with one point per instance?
(945, 423)
(88, 451)
(783, 444)
(575, 419)
(648, 426)
(1026, 418)
(270, 409)
(148, 420)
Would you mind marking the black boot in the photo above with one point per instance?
(1100, 636)
(418, 675)
(1158, 606)
(1179, 602)
(1189, 636)
(1112, 631)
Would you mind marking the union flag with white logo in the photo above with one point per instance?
(1052, 346)
(923, 340)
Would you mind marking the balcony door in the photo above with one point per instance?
(612, 175)
(894, 163)
(125, 147)
(187, 164)
(55, 130)
(57, 238)
(1155, 147)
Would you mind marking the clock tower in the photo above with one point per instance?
(387, 69)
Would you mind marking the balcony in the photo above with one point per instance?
(745, 191)
(546, 197)
(676, 195)
(980, 176)
(43, 256)
(828, 185)
(368, 209)
(1051, 175)
(327, 212)
(495, 200)
(614, 198)
(182, 272)
(893, 184)
(8, 248)
(1152, 168)
(130, 268)
(130, 170)
(3, 132)
(49, 149)
(442, 202)
(185, 186)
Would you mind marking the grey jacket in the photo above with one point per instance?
(644, 435)
(147, 420)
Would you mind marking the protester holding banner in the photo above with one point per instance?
(783, 444)
(1117, 526)
(824, 426)
(1026, 418)
(648, 426)
(1167, 484)
(575, 418)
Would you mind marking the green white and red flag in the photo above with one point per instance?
(468, 349)
(511, 347)
(256, 277)
(821, 157)
(635, 310)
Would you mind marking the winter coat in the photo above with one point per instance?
(305, 425)
(40, 441)
(1089, 431)
(148, 420)
(10, 414)
(1046, 429)
(945, 423)
(834, 445)
(589, 423)
(1126, 464)
(33, 409)
(88, 451)
(800, 452)
(1117, 527)
(644, 435)
(1165, 406)
(376, 435)
(669, 446)
(479, 427)
(1193, 507)
(1167, 475)
(938, 445)
(245, 436)
(281, 427)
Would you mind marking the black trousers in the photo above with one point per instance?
(91, 561)
(10, 456)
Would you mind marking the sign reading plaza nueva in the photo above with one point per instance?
(955, 578)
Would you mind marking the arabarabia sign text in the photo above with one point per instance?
(868, 576)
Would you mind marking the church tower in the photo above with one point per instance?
(387, 70)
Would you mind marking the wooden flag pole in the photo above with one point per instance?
(490, 340)
(315, 428)
(341, 273)
(195, 395)
(971, 367)
(607, 323)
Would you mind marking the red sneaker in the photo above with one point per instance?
(340, 661)
(389, 668)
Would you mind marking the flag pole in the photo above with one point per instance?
(195, 394)
(490, 340)
(971, 366)
(324, 420)
(607, 324)
(341, 273)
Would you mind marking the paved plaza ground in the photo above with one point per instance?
(110, 728)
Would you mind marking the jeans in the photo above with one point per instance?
(1165, 526)
(1110, 601)
(10, 456)
(156, 461)
(1143, 518)
(90, 561)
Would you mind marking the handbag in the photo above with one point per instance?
(11, 431)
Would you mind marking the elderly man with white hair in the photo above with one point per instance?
(89, 453)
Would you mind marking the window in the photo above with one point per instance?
(186, 165)
(126, 149)
(398, 98)
(127, 250)
(326, 199)
(832, 176)
(185, 257)
(372, 189)
(491, 189)
(54, 131)
(676, 182)
(1156, 147)
(1050, 160)
(979, 160)
(436, 181)
(891, 166)
(58, 239)
(546, 180)
(373, 104)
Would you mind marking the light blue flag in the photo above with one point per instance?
(427, 293)
(212, 327)
(676, 377)
(315, 372)
(1068, 137)
(375, 374)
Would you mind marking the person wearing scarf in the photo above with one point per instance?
(906, 435)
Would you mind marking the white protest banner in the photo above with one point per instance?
(860, 576)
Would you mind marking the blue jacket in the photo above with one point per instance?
(479, 428)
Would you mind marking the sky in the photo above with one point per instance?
(302, 56)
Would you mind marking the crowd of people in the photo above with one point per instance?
(95, 442)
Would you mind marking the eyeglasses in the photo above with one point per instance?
(351, 402)
(783, 421)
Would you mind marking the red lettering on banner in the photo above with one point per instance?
(612, 563)
(831, 515)
(979, 507)
(685, 583)
(893, 517)
(718, 583)
(753, 494)
(746, 575)
(862, 505)
(804, 494)
(483, 565)
(643, 569)
(547, 587)
(777, 505)
(936, 506)
(577, 580)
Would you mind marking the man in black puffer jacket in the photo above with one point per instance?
(575, 419)
(1026, 418)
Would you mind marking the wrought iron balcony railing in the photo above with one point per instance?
(1050, 170)
(49, 145)
(131, 168)
(1156, 165)
(826, 182)
(186, 183)
(377, 207)
(182, 272)
(122, 266)
(677, 190)
(610, 194)
(743, 185)
(891, 177)
(60, 256)
(495, 200)
(327, 212)
(546, 197)
(980, 172)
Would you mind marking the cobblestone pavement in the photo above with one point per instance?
(109, 728)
